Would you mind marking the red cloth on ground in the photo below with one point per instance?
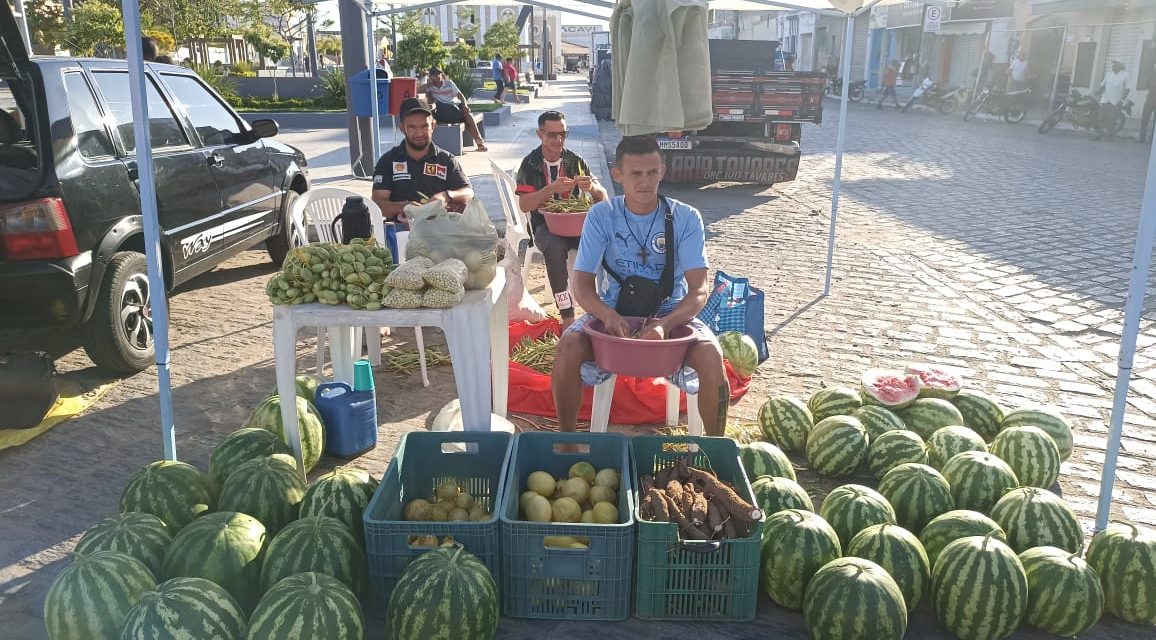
(636, 400)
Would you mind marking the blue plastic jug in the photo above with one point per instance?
(350, 419)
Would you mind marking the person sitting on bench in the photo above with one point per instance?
(443, 94)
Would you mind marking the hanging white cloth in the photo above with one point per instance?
(661, 66)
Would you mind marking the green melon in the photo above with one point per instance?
(953, 525)
(240, 447)
(269, 489)
(894, 448)
(978, 480)
(891, 389)
(223, 547)
(1064, 593)
(267, 416)
(765, 459)
(946, 443)
(776, 494)
(833, 401)
(979, 589)
(796, 544)
(935, 382)
(877, 420)
(900, 553)
(837, 446)
(1034, 517)
(307, 605)
(444, 593)
(175, 492)
(185, 608)
(741, 351)
(88, 599)
(1125, 557)
(852, 508)
(1047, 418)
(317, 543)
(1031, 453)
(854, 599)
(138, 534)
(925, 416)
(343, 494)
(785, 421)
(981, 413)
(918, 493)
(307, 386)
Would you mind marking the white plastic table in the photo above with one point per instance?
(476, 331)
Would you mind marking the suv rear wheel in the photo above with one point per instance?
(290, 236)
(119, 336)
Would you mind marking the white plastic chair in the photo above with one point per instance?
(604, 395)
(321, 206)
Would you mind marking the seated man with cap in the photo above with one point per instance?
(416, 171)
(444, 95)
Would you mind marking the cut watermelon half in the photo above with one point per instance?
(936, 381)
(891, 389)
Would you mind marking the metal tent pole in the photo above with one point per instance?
(372, 64)
(1059, 63)
(840, 143)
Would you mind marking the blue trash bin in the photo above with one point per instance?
(359, 97)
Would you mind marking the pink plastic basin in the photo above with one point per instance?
(636, 357)
(565, 225)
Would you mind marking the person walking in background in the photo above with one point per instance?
(498, 73)
(511, 77)
(1149, 107)
(1113, 90)
(890, 78)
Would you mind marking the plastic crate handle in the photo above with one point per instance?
(701, 546)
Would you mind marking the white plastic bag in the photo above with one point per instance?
(450, 419)
(469, 236)
(520, 305)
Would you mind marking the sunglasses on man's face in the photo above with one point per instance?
(556, 135)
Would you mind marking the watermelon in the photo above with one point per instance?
(776, 494)
(796, 544)
(854, 599)
(1047, 418)
(891, 389)
(900, 553)
(837, 446)
(185, 607)
(1125, 558)
(925, 416)
(240, 447)
(307, 387)
(307, 605)
(1031, 453)
(1064, 593)
(89, 598)
(978, 480)
(444, 593)
(175, 492)
(981, 413)
(269, 489)
(267, 416)
(918, 493)
(765, 459)
(138, 534)
(317, 543)
(979, 589)
(741, 351)
(833, 401)
(894, 448)
(1034, 517)
(953, 525)
(785, 421)
(935, 382)
(945, 443)
(224, 547)
(343, 494)
(877, 420)
(852, 508)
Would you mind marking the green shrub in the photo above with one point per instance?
(332, 86)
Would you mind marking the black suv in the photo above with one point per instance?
(71, 238)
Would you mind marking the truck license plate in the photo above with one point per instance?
(674, 144)
(732, 117)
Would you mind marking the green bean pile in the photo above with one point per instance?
(536, 354)
(407, 362)
(333, 274)
(568, 205)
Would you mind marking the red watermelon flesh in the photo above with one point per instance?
(936, 382)
(891, 389)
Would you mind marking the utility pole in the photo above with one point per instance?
(311, 41)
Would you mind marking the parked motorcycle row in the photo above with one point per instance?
(1083, 112)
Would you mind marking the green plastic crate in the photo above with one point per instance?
(424, 459)
(550, 583)
(716, 580)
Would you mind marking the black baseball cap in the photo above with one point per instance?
(413, 105)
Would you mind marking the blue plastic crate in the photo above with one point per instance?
(423, 459)
(552, 583)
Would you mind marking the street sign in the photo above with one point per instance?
(932, 19)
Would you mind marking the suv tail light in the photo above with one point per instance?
(36, 230)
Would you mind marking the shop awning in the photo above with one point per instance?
(570, 49)
(1043, 7)
(964, 28)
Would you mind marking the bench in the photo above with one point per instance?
(454, 138)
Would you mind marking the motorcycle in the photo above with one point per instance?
(1083, 112)
(855, 93)
(1012, 106)
(943, 100)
